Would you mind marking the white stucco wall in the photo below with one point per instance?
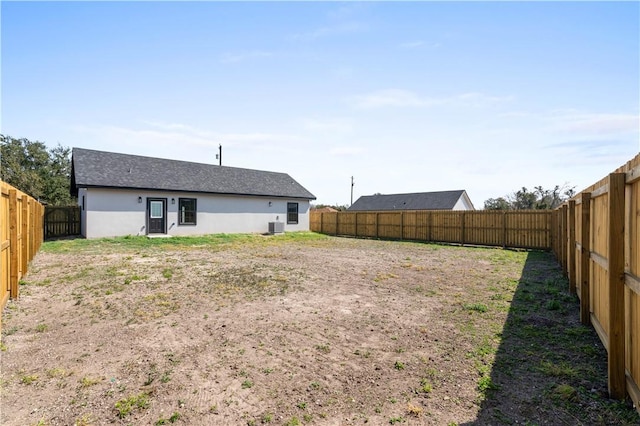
(112, 212)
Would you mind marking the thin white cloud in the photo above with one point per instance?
(598, 124)
(477, 99)
(184, 136)
(229, 58)
(409, 45)
(404, 98)
(390, 98)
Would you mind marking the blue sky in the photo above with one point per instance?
(404, 96)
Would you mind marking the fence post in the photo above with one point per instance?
(377, 214)
(13, 243)
(462, 229)
(571, 250)
(616, 278)
(322, 223)
(585, 252)
(24, 238)
(337, 221)
(504, 229)
(356, 220)
(402, 225)
(563, 241)
(429, 226)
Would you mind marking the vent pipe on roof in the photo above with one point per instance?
(219, 155)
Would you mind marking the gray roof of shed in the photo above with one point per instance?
(441, 200)
(92, 168)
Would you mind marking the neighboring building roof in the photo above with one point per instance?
(102, 169)
(442, 200)
(325, 210)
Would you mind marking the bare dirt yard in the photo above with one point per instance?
(296, 330)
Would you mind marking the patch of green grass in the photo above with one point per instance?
(324, 348)
(426, 386)
(564, 392)
(172, 419)
(399, 365)
(476, 307)
(137, 243)
(485, 383)
(267, 418)
(125, 406)
(247, 384)
(167, 273)
(561, 369)
(41, 328)
(29, 379)
(10, 331)
(86, 381)
(394, 420)
(553, 305)
(293, 421)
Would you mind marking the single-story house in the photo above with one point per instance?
(440, 200)
(121, 194)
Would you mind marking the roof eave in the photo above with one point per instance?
(138, 188)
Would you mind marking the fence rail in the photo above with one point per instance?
(20, 238)
(598, 246)
(516, 229)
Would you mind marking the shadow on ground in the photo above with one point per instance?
(549, 369)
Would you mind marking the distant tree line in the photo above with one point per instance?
(43, 173)
(538, 199)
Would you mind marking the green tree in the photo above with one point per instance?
(538, 199)
(32, 168)
(497, 204)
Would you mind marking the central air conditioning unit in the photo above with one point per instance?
(276, 227)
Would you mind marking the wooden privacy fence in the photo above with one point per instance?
(517, 229)
(20, 238)
(599, 250)
(61, 221)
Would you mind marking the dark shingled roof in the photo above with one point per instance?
(111, 170)
(442, 200)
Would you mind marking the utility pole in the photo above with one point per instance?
(351, 190)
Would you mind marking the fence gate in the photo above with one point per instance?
(61, 221)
